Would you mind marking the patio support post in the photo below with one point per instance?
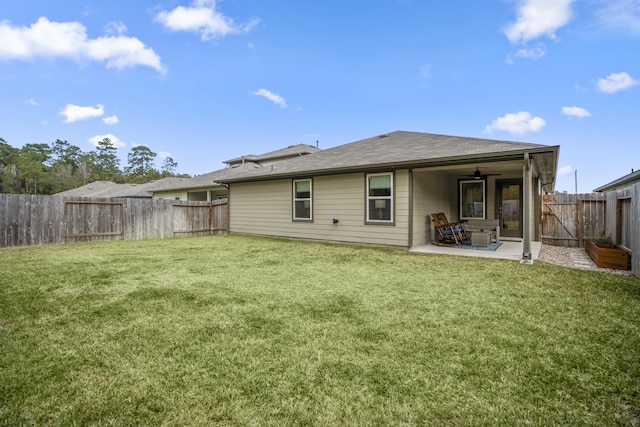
(526, 190)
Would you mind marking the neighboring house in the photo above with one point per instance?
(108, 189)
(207, 187)
(626, 181)
(382, 190)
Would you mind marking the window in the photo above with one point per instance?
(472, 199)
(380, 197)
(302, 202)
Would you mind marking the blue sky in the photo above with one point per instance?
(205, 81)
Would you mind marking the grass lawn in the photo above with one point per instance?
(236, 330)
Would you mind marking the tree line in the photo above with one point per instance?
(59, 166)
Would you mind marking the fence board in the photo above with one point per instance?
(35, 220)
(614, 215)
(567, 219)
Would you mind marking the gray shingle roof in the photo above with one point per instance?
(109, 189)
(293, 150)
(627, 179)
(208, 180)
(395, 149)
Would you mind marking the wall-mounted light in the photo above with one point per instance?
(335, 220)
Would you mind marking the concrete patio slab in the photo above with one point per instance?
(508, 250)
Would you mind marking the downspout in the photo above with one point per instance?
(526, 191)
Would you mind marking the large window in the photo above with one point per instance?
(302, 202)
(472, 199)
(380, 197)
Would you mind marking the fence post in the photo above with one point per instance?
(611, 220)
(580, 231)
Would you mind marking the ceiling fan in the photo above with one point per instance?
(479, 175)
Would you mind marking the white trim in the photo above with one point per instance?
(300, 199)
(368, 218)
(484, 198)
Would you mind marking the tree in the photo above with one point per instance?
(86, 166)
(32, 167)
(65, 166)
(63, 152)
(169, 167)
(107, 163)
(140, 168)
(8, 166)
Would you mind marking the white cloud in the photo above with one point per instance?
(164, 154)
(111, 120)
(565, 170)
(537, 18)
(615, 82)
(31, 101)
(115, 141)
(532, 53)
(276, 99)
(47, 39)
(73, 113)
(620, 15)
(116, 28)
(575, 112)
(202, 17)
(517, 123)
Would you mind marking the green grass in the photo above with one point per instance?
(236, 330)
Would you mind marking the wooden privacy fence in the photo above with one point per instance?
(569, 219)
(37, 220)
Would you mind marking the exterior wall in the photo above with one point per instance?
(438, 191)
(201, 195)
(265, 208)
(431, 194)
(170, 195)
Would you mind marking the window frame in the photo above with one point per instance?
(461, 210)
(302, 199)
(391, 198)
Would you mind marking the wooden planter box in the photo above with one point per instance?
(607, 256)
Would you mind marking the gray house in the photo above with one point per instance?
(382, 190)
(621, 183)
(207, 187)
(108, 189)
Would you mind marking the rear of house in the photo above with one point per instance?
(382, 190)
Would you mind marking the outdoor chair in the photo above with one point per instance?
(446, 234)
(459, 228)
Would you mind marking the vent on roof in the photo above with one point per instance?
(383, 136)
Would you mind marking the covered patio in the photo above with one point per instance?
(509, 249)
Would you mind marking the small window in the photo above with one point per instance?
(302, 202)
(380, 197)
(472, 199)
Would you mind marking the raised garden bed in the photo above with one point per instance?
(607, 255)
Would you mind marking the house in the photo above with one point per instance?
(207, 187)
(626, 181)
(382, 190)
(108, 189)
